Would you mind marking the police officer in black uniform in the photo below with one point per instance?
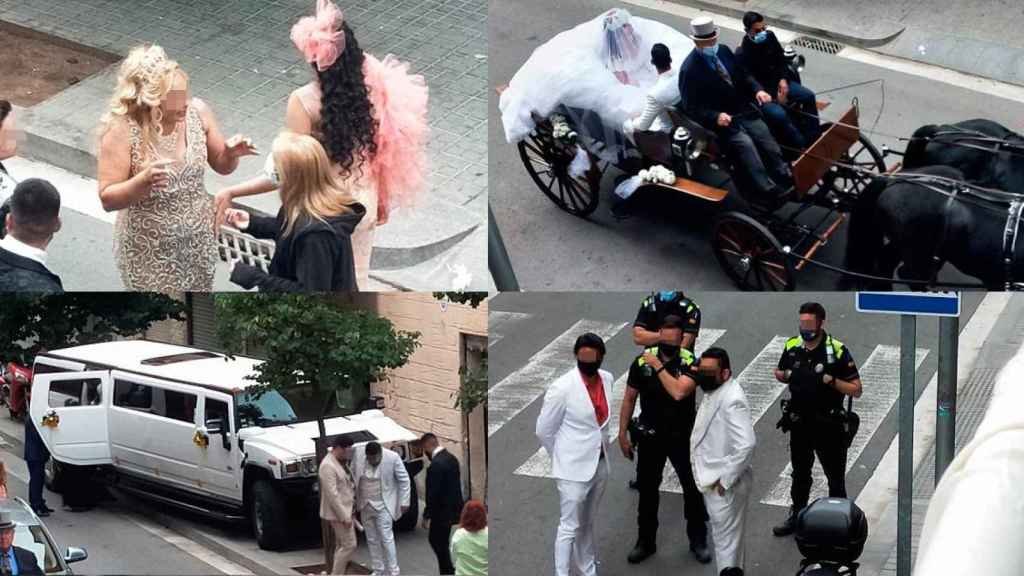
(662, 379)
(653, 310)
(656, 307)
(821, 373)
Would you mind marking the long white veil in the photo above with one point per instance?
(572, 69)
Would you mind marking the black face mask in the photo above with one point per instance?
(588, 368)
(708, 382)
(669, 350)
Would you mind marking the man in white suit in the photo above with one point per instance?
(383, 491)
(721, 448)
(573, 429)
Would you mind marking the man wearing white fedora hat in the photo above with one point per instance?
(14, 559)
(721, 94)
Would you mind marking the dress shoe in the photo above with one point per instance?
(47, 509)
(788, 525)
(733, 571)
(701, 553)
(634, 485)
(640, 553)
(42, 513)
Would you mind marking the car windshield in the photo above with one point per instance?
(33, 539)
(267, 409)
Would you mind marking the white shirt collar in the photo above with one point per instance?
(12, 244)
(436, 450)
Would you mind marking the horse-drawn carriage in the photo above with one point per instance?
(567, 149)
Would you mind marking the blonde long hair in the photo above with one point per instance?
(145, 78)
(309, 184)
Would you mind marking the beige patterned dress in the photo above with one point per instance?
(166, 242)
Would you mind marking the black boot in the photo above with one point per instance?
(641, 552)
(788, 525)
(700, 552)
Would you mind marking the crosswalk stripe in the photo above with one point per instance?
(539, 464)
(880, 377)
(498, 322)
(515, 392)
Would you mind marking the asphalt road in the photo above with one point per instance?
(531, 338)
(656, 247)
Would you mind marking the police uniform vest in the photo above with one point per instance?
(669, 417)
(809, 394)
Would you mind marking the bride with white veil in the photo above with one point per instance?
(602, 65)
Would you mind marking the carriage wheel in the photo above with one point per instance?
(850, 175)
(751, 255)
(548, 161)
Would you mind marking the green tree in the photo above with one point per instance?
(312, 342)
(30, 323)
(472, 298)
(473, 389)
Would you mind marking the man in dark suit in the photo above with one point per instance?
(444, 500)
(36, 456)
(14, 559)
(33, 220)
(724, 97)
(762, 54)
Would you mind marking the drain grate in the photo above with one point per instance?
(817, 44)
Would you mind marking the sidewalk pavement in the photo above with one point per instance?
(241, 62)
(973, 394)
(978, 37)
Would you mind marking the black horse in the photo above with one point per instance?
(988, 153)
(925, 231)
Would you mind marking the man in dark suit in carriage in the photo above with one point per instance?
(720, 93)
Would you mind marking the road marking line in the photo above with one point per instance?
(77, 193)
(880, 375)
(878, 497)
(519, 389)
(539, 464)
(194, 549)
(896, 64)
(498, 322)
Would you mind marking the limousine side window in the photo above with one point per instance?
(67, 393)
(157, 401)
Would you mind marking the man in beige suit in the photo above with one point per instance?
(337, 496)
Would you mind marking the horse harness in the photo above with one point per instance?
(1014, 214)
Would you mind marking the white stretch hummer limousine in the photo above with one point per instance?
(176, 424)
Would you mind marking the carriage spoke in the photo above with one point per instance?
(576, 192)
(732, 253)
(561, 192)
(730, 240)
(778, 281)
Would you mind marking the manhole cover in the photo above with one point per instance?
(817, 44)
(36, 65)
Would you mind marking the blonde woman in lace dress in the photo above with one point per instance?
(370, 116)
(156, 144)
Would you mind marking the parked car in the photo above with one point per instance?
(181, 426)
(31, 534)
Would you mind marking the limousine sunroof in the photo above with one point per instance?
(174, 358)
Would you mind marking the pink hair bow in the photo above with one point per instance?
(320, 38)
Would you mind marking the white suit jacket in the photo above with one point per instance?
(662, 96)
(973, 524)
(394, 480)
(722, 443)
(567, 427)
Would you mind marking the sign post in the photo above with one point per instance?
(909, 306)
(945, 399)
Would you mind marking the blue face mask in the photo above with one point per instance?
(666, 295)
(808, 335)
(710, 51)
(760, 37)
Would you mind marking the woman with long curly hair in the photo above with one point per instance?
(155, 146)
(370, 116)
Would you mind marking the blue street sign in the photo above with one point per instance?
(920, 303)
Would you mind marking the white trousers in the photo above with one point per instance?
(574, 544)
(380, 539)
(728, 515)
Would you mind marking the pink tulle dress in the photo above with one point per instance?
(398, 171)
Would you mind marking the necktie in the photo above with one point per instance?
(5, 564)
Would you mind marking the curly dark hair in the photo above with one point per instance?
(347, 127)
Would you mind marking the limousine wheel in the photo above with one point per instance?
(51, 475)
(269, 516)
